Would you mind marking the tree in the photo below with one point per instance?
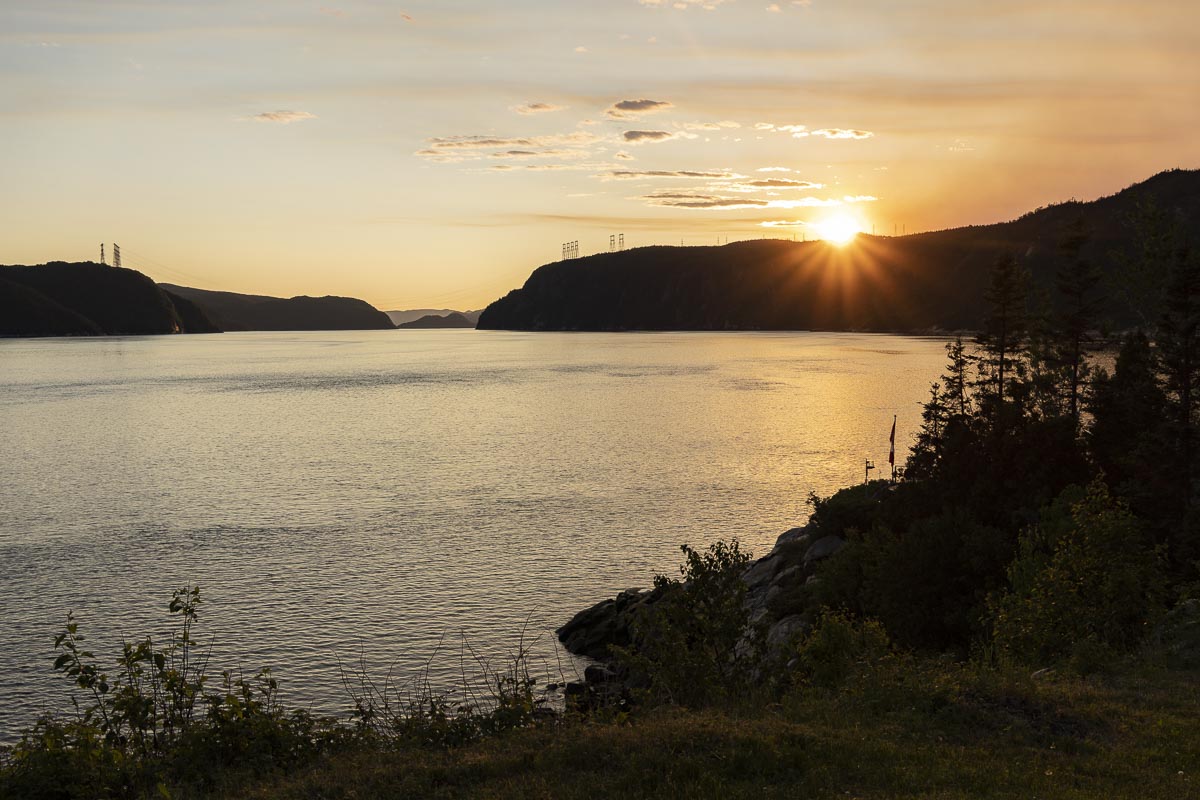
(1079, 307)
(1001, 341)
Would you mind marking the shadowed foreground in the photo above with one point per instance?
(944, 735)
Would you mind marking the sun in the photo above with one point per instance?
(839, 230)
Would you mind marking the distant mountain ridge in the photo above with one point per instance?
(249, 312)
(89, 299)
(921, 282)
(451, 320)
(398, 318)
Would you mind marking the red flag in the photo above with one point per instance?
(892, 439)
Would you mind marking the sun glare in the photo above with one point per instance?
(839, 230)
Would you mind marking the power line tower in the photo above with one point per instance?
(116, 255)
(621, 242)
(612, 243)
(102, 261)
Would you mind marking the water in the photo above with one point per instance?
(381, 497)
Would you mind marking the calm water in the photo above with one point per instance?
(380, 497)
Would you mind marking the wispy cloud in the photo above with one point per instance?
(538, 108)
(711, 126)
(643, 137)
(628, 174)
(632, 109)
(683, 5)
(283, 117)
(843, 133)
(449, 149)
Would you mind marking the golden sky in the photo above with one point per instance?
(433, 152)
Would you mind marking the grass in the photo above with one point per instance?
(924, 731)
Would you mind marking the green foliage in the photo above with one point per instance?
(925, 582)
(838, 647)
(155, 721)
(1085, 579)
(691, 647)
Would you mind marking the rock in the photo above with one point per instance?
(592, 631)
(824, 548)
(789, 576)
(772, 595)
(783, 631)
(793, 535)
(761, 571)
(599, 673)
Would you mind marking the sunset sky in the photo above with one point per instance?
(432, 153)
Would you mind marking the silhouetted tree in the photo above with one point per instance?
(1001, 341)
(1142, 274)
(1080, 305)
(1178, 341)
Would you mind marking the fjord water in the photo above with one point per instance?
(379, 498)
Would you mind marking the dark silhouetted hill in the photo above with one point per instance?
(85, 298)
(451, 320)
(249, 312)
(921, 282)
(398, 318)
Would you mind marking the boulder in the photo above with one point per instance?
(592, 631)
(823, 548)
(762, 571)
(786, 629)
(793, 535)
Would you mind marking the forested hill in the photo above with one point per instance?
(920, 282)
(89, 299)
(249, 312)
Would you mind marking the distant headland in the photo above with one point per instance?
(916, 283)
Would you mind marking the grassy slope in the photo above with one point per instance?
(934, 734)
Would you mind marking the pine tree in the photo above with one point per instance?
(1178, 341)
(1002, 340)
(1077, 283)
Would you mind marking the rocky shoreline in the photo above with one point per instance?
(777, 603)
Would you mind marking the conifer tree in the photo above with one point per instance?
(1002, 340)
(1079, 308)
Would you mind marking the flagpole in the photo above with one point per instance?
(892, 453)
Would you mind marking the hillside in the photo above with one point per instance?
(920, 282)
(88, 299)
(451, 320)
(249, 312)
(398, 318)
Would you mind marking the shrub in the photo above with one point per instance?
(839, 646)
(1086, 576)
(694, 646)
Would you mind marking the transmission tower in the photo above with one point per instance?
(621, 242)
(612, 243)
(116, 255)
(102, 261)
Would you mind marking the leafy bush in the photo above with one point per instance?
(1085, 578)
(692, 646)
(839, 646)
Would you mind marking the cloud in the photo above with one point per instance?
(710, 126)
(538, 108)
(545, 153)
(642, 137)
(695, 200)
(772, 169)
(624, 156)
(581, 49)
(632, 109)
(283, 117)
(683, 5)
(843, 133)
(785, 223)
(448, 149)
(628, 175)
(784, 183)
(683, 200)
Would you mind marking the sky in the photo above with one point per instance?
(432, 153)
